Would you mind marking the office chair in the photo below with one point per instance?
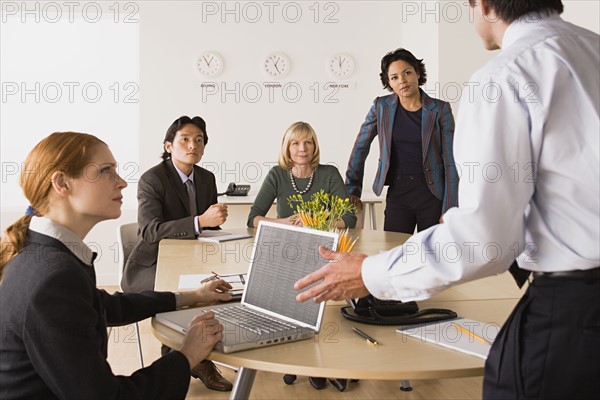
(127, 237)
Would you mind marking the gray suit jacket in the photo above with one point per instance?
(163, 213)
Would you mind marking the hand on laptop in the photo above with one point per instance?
(202, 335)
(207, 294)
(340, 279)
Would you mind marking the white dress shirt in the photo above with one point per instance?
(527, 150)
(47, 227)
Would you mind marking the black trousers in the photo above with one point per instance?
(409, 203)
(550, 346)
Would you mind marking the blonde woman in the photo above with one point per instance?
(53, 318)
(298, 172)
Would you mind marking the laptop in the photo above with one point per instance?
(269, 313)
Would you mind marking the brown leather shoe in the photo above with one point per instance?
(210, 375)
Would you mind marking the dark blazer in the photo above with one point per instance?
(437, 131)
(54, 339)
(163, 213)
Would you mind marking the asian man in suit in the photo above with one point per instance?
(177, 199)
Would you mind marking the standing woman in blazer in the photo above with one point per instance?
(415, 145)
(54, 319)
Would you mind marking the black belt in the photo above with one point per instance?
(593, 274)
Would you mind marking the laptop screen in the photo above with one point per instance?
(282, 254)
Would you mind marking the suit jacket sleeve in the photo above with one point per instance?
(356, 164)
(210, 198)
(63, 337)
(126, 308)
(450, 175)
(154, 227)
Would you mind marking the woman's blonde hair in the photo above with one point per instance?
(298, 130)
(68, 152)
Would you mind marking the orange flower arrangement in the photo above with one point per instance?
(323, 212)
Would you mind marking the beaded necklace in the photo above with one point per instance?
(294, 182)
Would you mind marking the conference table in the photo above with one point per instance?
(337, 351)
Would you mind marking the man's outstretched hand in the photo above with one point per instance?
(339, 279)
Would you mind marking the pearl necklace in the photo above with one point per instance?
(294, 182)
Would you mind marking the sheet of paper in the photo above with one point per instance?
(192, 281)
(447, 335)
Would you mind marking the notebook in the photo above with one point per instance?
(448, 335)
(269, 313)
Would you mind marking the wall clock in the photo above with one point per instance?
(340, 65)
(210, 64)
(276, 65)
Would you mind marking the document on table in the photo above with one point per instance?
(462, 334)
(193, 281)
(237, 281)
(221, 236)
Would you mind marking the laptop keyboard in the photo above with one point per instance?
(252, 320)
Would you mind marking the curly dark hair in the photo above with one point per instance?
(404, 55)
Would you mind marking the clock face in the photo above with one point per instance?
(340, 65)
(210, 64)
(276, 65)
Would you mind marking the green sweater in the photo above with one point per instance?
(277, 185)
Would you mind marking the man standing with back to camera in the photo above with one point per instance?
(540, 132)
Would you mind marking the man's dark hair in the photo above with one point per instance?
(177, 125)
(511, 10)
(403, 55)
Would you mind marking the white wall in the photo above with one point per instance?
(242, 108)
(152, 45)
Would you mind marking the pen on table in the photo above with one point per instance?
(364, 335)
(470, 334)
(210, 278)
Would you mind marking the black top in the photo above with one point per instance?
(54, 338)
(406, 150)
